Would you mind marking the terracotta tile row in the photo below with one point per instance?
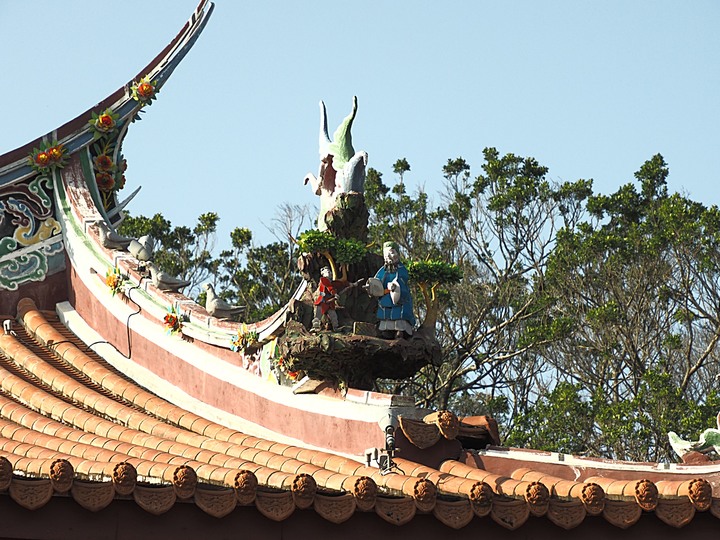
(151, 445)
(535, 493)
(280, 466)
(72, 415)
(328, 470)
(348, 469)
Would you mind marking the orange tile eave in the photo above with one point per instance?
(300, 485)
(337, 464)
(189, 452)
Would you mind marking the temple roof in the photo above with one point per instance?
(72, 424)
(103, 402)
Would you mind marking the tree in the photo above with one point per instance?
(400, 167)
(638, 285)
(500, 228)
(263, 278)
(180, 251)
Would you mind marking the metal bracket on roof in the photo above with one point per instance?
(7, 327)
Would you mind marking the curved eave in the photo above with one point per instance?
(77, 134)
(72, 426)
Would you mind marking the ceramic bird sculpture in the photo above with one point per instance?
(109, 238)
(142, 248)
(709, 440)
(217, 307)
(164, 281)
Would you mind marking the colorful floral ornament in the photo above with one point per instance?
(243, 339)
(282, 367)
(104, 124)
(104, 163)
(144, 91)
(114, 279)
(173, 322)
(48, 156)
(105, 181)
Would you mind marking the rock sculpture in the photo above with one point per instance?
(342, 170)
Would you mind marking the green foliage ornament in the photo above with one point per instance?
(322, 242)
(429, 276)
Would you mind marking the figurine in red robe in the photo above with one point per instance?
(326, 300)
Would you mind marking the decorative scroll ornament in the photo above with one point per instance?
(93, 496)
(419, 433)
(217, 503)
(155, 500)
(511, 514)
(622, 514)
(676, 513)
(566, 514)
(397, 511)
(455, 514)
(277, 506)
(335, 509)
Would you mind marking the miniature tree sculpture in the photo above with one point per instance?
(429, 276)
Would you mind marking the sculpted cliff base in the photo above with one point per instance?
(355, 360)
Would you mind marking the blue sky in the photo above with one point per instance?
(590, 89)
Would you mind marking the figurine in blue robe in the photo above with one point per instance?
(395, 305)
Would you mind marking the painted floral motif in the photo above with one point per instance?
(173, 321)
(48, 156)
(144, 91)
(109, 165)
